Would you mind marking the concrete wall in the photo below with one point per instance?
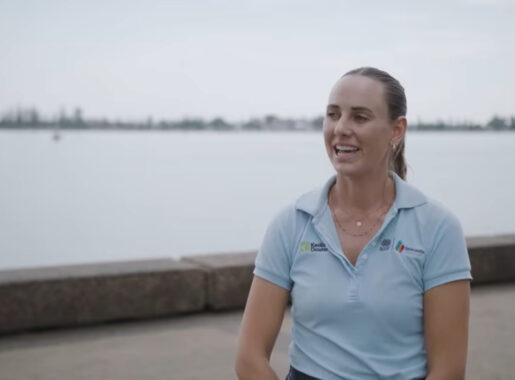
(95, 293)
(492, 258)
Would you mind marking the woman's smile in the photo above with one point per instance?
(345, 152)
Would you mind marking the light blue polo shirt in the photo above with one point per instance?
(364, 321)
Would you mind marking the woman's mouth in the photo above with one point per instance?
(345, 150)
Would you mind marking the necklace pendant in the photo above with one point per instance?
(359, 224)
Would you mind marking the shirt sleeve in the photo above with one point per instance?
(448, 259)
(274, 259)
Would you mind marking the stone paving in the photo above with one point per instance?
(203, 346)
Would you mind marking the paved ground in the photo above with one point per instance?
(203, 346)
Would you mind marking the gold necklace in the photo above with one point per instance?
(358, 222)
(359, 234)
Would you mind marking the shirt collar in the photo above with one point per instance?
(406, 196)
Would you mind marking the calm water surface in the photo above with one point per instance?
(103, 196)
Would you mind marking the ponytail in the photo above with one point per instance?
(397, 161)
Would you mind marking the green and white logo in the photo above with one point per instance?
(305, 246)
(308, 246)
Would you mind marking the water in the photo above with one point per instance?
(104, 196)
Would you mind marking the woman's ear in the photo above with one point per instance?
(399, 129)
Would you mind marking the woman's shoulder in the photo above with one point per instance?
(439, 224)
(427, 214)
(297, 213)
(438, 229)
(436, 212)
(425, 206)
(313, 200)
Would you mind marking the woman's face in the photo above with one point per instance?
(358, 131)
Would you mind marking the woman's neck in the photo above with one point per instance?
(360, 194)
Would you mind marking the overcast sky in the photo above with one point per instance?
(238, 59)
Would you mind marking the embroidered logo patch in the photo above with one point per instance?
(415, 250)
(385, 244)
(306, 246)
(400, 247)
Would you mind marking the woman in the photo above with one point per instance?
(378, 273)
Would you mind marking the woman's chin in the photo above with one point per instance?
(345, 168)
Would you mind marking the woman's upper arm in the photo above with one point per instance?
(261, 321)
(268, 297)
(446, 315)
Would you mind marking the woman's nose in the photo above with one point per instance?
(343, 127)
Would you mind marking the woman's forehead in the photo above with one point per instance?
(358, 91)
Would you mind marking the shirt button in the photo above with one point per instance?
(365, 256)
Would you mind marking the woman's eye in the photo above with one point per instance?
(332, 115)
(361, 118)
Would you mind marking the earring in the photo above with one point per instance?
(393, 145)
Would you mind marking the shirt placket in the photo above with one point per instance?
(325, 227)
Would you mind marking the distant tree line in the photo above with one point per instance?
(495, 123)
(30, 118)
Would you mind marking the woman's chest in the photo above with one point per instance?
(331, 272)
(326, 289)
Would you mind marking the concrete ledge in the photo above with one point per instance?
(93, 293)
(492, 258)
(228, 278)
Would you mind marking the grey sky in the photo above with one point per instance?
(238, 58)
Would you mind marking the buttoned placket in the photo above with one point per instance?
(323, 224)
